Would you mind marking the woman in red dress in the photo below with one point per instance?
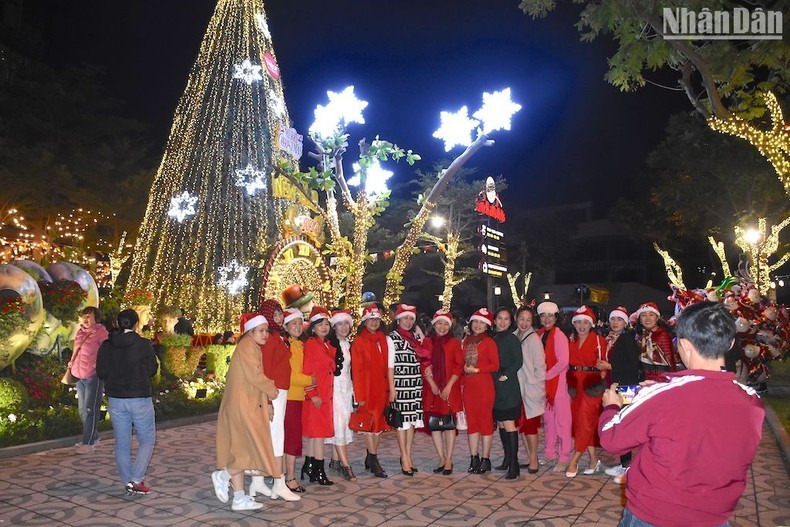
(658, 355)
(481, 359)
(370, 360)
(586, 350)
(442, 369)
(317, 414)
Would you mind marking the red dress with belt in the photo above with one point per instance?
(582, 373)
(478, 388)
(319, 360)
(369, 373)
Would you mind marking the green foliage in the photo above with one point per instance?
(39, 424)
(218, 360)
(741, 70)
(13, 396)
(180, 360)
(41, 377)
(174, 402)
(63, 299)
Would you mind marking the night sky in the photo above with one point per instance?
(576, 138)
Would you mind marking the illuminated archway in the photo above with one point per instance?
(296, 260)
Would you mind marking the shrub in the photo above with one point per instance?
(218, 359)
(13, 396)
(41, 377)
(12, 316)
(178, 357)
(63, 299)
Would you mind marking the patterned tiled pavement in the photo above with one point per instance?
(57, 487)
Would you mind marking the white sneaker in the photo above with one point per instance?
(85, 449)
(245, 504)
(221, 480)
(619, 470)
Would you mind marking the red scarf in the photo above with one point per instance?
(437, 363)
(374, 341)
(551, 359)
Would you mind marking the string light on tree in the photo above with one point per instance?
(247, 71)
(456, 128)
(497, 111)
(276, 104)
(182, 206)
(251, 179)
(343, 109)
(263, 25)
(233, 277)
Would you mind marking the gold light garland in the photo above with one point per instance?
(718, 248)
(674, 272)
(773, 144)
(222, 123)
(759, 252)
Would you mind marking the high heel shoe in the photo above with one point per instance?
(298, 488)
(597, 469)
(531, 470)
(318, 475)
(406, 472)
(447, 471)
(571, 474)
(375, 467)
(367, 460)
(307, 469)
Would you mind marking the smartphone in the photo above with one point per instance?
(628, 392)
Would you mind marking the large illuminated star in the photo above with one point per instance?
(375, 178)
(247, 71)
(343, 109)
(263, 25)
(233, 277)
(250, 178)
(456, 128)
(497, 110)
(182, 206)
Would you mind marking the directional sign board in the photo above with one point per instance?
(493, 269)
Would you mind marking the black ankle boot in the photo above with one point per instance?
(474, 464)
(506, 447)
(485, 465)
(367, 460)
(513, 469)
(318, 475)
(375, 467)
(306, 468)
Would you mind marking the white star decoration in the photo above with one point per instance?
(233, 277)
(375, 178)
(497, 110)
(456, 128)
(343, 109)
(250, 178)
(247, 71)
(276, 103)
(182, 205)
(263, 25)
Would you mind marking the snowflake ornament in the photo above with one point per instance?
(497, 111)
(182, 206)
(247, 71)
(343, 109)
(263, 25)
(233, 277)
(276, 104)
(456, 128)
(375, 179)
(251, 179)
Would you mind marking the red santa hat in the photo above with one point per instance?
(251, 321)
(648, 307)
(318, 313)
(442, 315)
(371, 311)
(291, 314)
(483, 315)
(405, 310)
(339, 315)
(584, 313)
(548, 307)
(619, 312)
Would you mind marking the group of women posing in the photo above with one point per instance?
(283, 387)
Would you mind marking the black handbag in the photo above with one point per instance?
(440, 423)
(393, 416)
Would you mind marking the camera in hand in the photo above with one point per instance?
(628, 392)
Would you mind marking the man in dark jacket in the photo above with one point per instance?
(126, 363)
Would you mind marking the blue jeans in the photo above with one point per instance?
(629, 520)
(125, 414)
(89, 394)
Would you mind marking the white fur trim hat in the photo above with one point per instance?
(405, 310)
(292, 314)
(619, 312)
(254, 322)
(442, 315)
(318, 313)
(483, 315)
(371, 311)
(339, 315)
(648, 307)
(584, 313)
(548, 307)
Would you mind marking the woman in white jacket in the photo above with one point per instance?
(532, 381)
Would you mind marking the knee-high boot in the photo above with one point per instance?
(505, 447)
(513, 469)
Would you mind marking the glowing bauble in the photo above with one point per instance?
(20, 283)
(741, 325)
(751, 350)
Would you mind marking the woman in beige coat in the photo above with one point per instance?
(244, 439)
(532, 381)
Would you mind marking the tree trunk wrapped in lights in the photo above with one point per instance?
(759, 249)
(211, 214)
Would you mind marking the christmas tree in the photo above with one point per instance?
(211, 213)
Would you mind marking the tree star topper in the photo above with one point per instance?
(456, 128)
(182, 205)
(497, 110)
(343, 109)
(375, 178)
(233, 277)
(250, 178)
(247, 71)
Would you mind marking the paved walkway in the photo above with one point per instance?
(57, 487)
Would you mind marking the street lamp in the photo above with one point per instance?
(547, 295)
(752, 236)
